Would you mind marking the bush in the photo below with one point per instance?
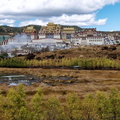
(100, 106)
(30, 56)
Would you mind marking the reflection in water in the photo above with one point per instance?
(18, 79)
(13, 80)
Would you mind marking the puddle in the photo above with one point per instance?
(13, 80)
(59, 80)
(16, 79)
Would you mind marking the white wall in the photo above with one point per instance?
(95, 41)
(57, 36)
(41, 36)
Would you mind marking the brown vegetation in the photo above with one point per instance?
(84, 82)
(112, 52)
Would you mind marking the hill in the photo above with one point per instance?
(8, 29)
(110, 52)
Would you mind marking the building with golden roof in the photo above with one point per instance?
(50, 31)
(30, 31)
(67, 33)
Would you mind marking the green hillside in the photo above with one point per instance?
(8, 29)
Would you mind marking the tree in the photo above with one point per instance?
(102, 105)
(114, 99)
(3, 55)
(15, 105)
(54, 110)
(88, 108)
(37, 108)
(73, 107)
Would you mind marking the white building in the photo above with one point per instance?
(88, 40)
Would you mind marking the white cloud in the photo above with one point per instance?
(32, 22)
(52, 7)
(9, 22)
(81, 20)
(79, 12)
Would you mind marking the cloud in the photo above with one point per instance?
(33, 22)
(9, 22)
(51, 7)
(81, 20)
(72, 11)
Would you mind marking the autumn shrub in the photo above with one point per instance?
(98, 106)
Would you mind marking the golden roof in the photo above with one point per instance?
(30, 27)
(68, 29)
(51, 23)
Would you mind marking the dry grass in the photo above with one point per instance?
(88, 81)
(85, 52)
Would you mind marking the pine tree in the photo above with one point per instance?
(54, 109)
(15, 103)
(73, 107)
(102, 105)
(38, 112)
(114, 99)
(88, 108)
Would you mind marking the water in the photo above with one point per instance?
(13, 80)
(59, 80)
(16, 79)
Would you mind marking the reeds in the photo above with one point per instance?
(83, 63)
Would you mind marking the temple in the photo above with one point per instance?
(30, 31)
(50, 31)
(68, 33)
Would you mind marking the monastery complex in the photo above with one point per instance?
(71, 35)
(88, 36)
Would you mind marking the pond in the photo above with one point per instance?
(16, 79)
(12, 80)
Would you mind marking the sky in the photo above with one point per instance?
(101, 14)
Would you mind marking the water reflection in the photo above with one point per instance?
(12, 80)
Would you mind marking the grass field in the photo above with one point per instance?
(85, 81)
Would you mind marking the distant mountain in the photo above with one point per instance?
(8, 29)
(15, 30)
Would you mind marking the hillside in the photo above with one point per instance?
(110, 52)
(8, 29)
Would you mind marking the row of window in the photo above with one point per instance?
(95, 40)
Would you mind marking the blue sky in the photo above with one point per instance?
(101, 14)
(112, 13)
